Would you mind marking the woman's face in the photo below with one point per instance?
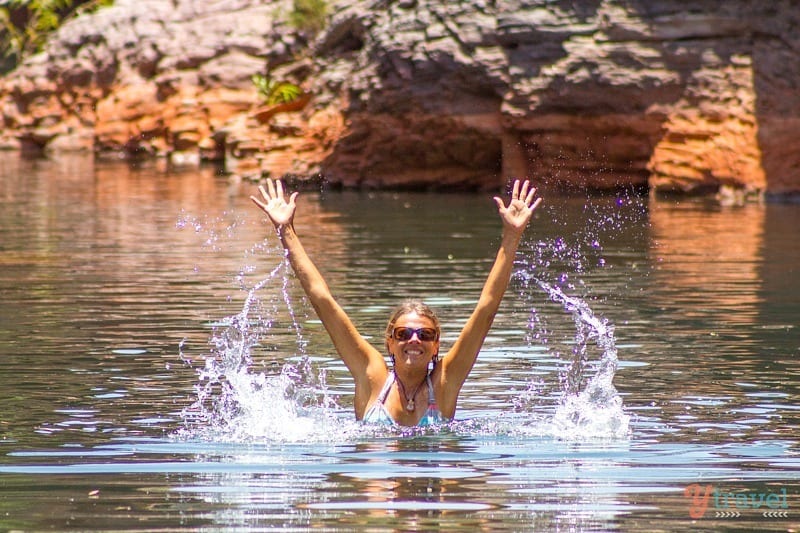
(414, 340)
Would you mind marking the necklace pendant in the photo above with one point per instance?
(410, 405)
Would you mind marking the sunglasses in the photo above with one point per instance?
(423, 334)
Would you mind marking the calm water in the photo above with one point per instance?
(161, 370)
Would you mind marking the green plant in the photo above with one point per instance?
(309, 15)
(276, 92)
(26, 24)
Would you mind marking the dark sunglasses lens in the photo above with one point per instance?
(403, 334)
(423, 334)
(426, 334)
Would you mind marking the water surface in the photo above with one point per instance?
(161, 369)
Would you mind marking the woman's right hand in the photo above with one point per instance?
(273, 202)
(520, 207)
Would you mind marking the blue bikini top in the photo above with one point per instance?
(377, 413)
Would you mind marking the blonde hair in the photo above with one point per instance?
(412, 306)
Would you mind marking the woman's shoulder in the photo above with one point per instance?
(375, 375)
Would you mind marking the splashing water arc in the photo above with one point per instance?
(236, 403)
(596, 410)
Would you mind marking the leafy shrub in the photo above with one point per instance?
(276, 92)
(26, 24)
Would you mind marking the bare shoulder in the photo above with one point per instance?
(446, 385)
(375, 374)
(369, 384)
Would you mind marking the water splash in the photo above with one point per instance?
(587, 405)
(590, 406)
(237, 403)
(290, 402)
(213, 231)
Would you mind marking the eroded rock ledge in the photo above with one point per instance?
(679, 97)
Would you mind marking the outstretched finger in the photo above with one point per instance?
(524, 192)
(270, 188)
(258, 201)
(530, 196)
(500, 204)
(515, 190)
(279, 187)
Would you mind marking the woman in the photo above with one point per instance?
(410, 393)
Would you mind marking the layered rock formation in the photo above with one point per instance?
(683, 96)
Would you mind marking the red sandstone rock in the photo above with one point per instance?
(676, 96)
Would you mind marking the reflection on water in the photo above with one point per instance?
(709, 291)
(122, 291)
(714, 260)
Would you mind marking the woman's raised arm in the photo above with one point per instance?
(365, 363)
(458, 361)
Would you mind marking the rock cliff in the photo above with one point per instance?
(675, 96)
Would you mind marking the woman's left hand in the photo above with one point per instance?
(518, 212)
(274, 203)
